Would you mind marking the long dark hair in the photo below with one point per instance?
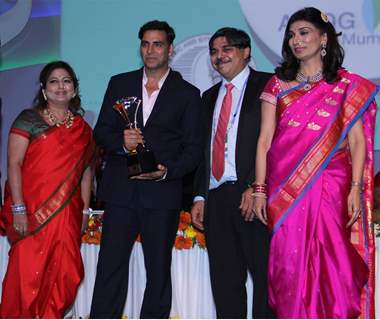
(332, 61)
(39, 101)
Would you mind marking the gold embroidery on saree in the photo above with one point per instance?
(313, 126)
(323, 113)
(331, 101)
(293, 123)
(338, 90)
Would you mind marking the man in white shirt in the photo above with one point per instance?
(236, 241)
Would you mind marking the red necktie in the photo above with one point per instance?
(220, 135)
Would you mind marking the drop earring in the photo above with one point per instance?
(44, 94)
(323, 50)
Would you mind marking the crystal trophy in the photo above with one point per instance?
(142, 159)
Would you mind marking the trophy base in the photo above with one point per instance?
(141, 162)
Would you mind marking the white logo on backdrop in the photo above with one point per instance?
(191, 59)
(357, 20)
(14, 20)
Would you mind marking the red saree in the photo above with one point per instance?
(45, 268)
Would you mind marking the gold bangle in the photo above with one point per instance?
(356, 184)
(259, 195)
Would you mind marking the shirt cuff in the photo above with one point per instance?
(198, 198)
(163, 177)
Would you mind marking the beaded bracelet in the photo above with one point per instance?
(18, 209)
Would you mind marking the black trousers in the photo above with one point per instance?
(120, 227)
(235, 246)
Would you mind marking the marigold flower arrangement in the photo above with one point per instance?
(187, 236)
(93, 232)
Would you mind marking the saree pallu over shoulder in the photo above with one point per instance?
(337, 110)
(316, 124)
(52, 169)
(45, 267)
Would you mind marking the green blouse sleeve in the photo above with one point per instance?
(28, 124)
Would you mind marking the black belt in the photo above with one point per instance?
(229, 182)
(225, 184)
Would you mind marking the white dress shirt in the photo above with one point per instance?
(240, 83)
(149, 101)
(238, 90)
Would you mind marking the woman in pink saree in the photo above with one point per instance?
(314, 172)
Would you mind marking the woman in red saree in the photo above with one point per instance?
(50, 148)
(315, 153)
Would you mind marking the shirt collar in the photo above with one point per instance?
(162, 80)
(239, 79)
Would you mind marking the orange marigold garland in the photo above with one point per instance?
(187, 235)
(201, 240)
(183, 243)
(185, 217)
(93, 232)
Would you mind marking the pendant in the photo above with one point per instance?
(307, 86)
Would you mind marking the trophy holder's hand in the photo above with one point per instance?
(155, 175)
(132, 138)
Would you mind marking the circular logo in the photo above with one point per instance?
(359, 22)
(191, 58)
(13, 21)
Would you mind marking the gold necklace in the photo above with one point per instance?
(68, 121)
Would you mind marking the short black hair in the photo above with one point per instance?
(158, 25)
(235, 37)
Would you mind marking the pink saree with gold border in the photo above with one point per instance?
(317, 267)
